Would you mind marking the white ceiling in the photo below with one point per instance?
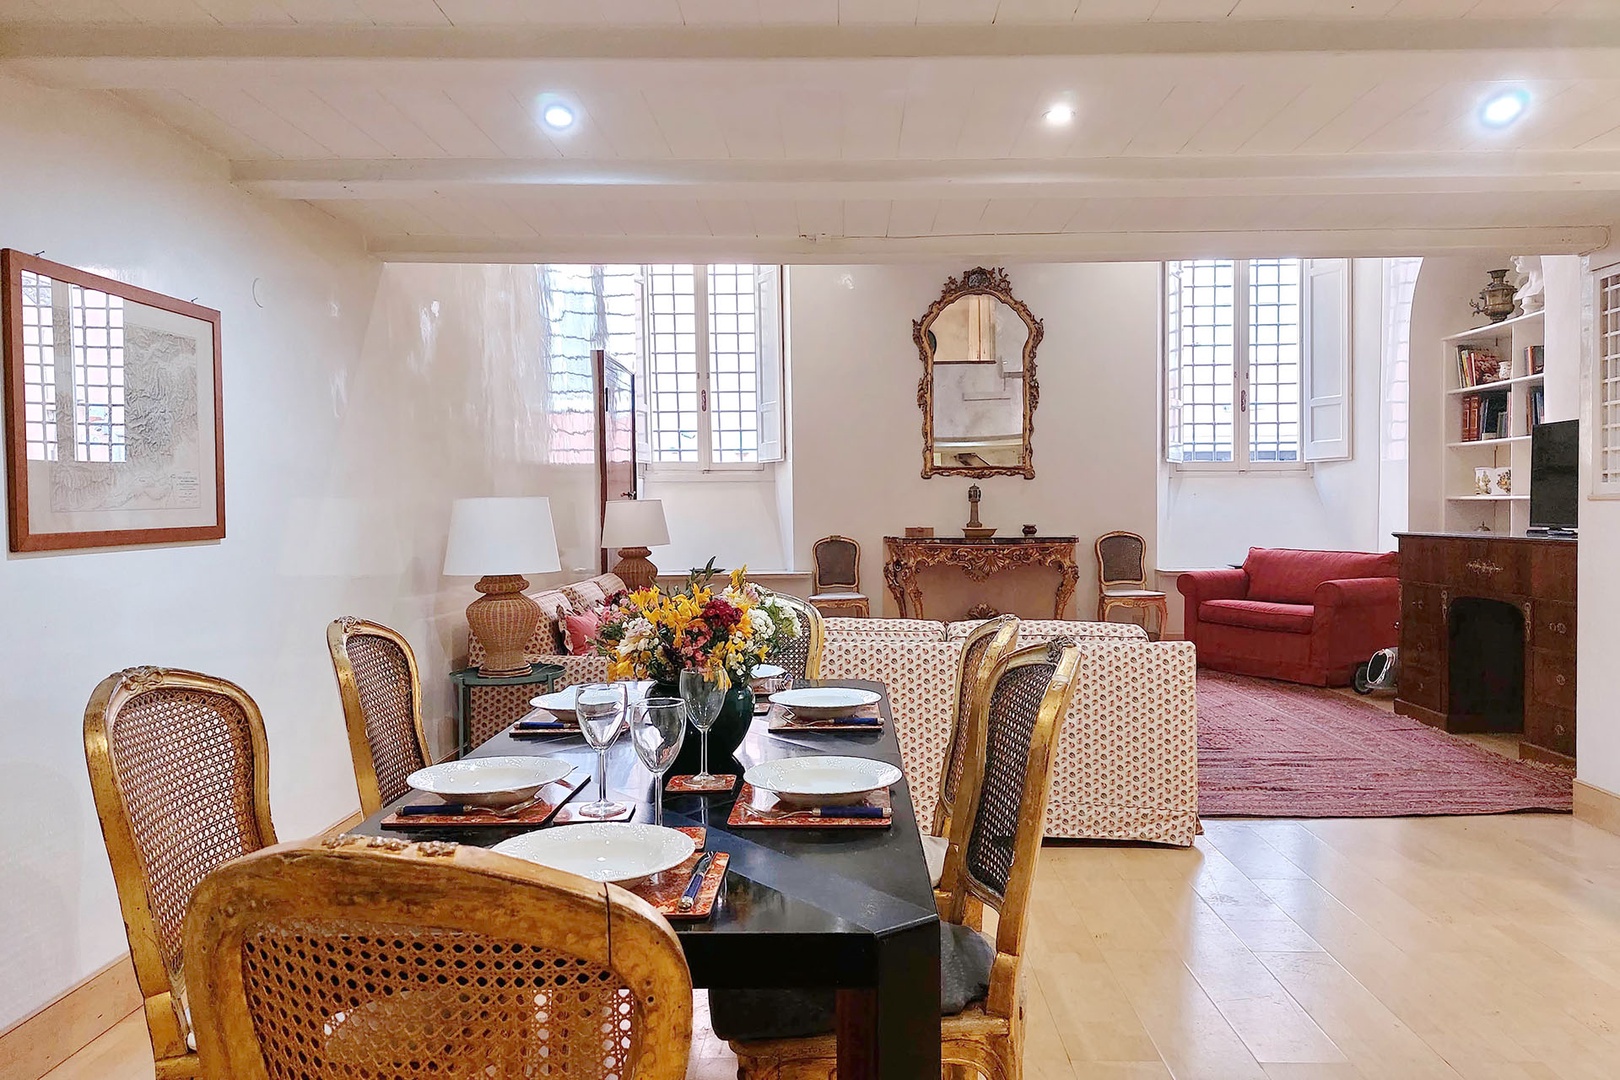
(874, 129)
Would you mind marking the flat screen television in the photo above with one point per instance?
(1555, 475)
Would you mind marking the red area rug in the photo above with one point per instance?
(1271, 749)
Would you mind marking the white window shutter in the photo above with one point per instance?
(1325, 364)
(768, 343)
(643, 382)
(1172, 362)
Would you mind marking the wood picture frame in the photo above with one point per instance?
(84, 473)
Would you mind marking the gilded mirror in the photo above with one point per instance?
(978, 391)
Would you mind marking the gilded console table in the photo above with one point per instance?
(952, 577)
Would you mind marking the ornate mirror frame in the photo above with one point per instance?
(979, 281)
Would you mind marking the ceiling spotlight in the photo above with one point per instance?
(1060, 115)
(1502, 109)
(557, 116)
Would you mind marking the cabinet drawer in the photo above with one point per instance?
(1552, 570)
(1552, 678)
(1421, 652)
(1425, 689)
(1551, 729)
(1490, 568)
(1554, 627)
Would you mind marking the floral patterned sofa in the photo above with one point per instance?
(1127, 765)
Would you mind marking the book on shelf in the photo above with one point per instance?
(1484, 416)
(1537, 400)
(1535, 359)
(1476, 366)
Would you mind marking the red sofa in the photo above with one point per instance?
(1304, 616)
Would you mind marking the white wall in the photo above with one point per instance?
(355, 410)
(857, 442)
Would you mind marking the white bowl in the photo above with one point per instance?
(822, 780)
(768, 671)
(561, 702)
(824, 702)
(493, 782)
(603, 850)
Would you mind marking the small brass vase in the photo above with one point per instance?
(1495, 300)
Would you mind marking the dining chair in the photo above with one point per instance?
(179, 769)
(836, 582)
(982, 649)
(373, 957)
(1122, 579)
(995, 846)
(801, 656)
(382, 707)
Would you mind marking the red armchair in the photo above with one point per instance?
(1303, 616)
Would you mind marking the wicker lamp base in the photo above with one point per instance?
(635, 569)
(503, 619)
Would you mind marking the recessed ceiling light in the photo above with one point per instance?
(557, 116)
(1502, 109)
(1060, 115)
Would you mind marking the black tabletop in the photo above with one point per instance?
(801, 906)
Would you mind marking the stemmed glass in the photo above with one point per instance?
(704, 691)
(657, 729)
(600, 709)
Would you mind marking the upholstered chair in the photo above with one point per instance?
(982, 649)
(995, 845)
(1122, 579)
(836, 587)
(370, 957)
(800, 657)
(180, 773)
(382, 707)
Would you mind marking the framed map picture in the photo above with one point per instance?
(113, 419)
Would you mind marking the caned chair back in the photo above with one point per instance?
(837, 561)
(1001, 809)
(179, 769)
(382, 707)
(982, 649)
(366, 957)
(800, 657)
(1121, 560)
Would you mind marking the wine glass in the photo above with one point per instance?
(657, 729)
(600, 709)
(704, 691)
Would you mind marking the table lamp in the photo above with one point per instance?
(498, 541)
(634, 526)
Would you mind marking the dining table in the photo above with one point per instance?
(851, 909)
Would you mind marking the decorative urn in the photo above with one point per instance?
(1496, 300)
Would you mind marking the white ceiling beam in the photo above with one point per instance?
(1122, 177)
(56, 41)
(1133, 246)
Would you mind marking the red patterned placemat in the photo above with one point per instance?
(686, 785)
(665, 893)
(761, 809)
(782, 719)
(553, 796)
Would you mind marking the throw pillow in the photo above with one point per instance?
(582, 627)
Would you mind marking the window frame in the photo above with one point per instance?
(706, 467)
(1592, 322)
(1241, 302)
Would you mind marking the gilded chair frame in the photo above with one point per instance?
(162, 1000)
(1002, 632)
(811, 624)
(986, 1038)
(1157, 603)
(338, 633)
(438, 886)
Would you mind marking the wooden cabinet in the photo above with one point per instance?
(1535, 578)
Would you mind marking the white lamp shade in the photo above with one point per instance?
(634, 523)
(501, 536)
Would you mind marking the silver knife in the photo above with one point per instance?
(693, 887)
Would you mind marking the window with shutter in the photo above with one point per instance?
(1606, 371)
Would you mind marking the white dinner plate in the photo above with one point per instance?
(769, 671)
(491, 781)
(561, 702)
(822, 780)
(603, 850)
(824, 702)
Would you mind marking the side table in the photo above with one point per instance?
(486, 706)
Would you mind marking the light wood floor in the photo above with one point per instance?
(1479, 948)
